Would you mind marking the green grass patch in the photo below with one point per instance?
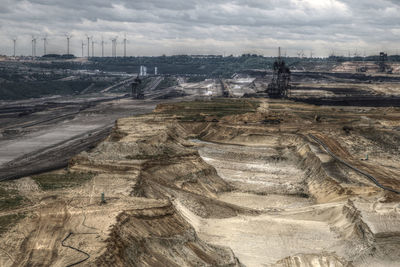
(52, 181)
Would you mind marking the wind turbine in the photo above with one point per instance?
(44, 44)
(83, 46)
(68, 36)
(15, 44)
(102, 46)
(88, 45)
(125, 45)
(300, 54)
(114, 46)
(34, 46)
(93, 42)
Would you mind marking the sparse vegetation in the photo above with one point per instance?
(7, 221)
(195, 118)
(198, 110)
(196, 79)
(164, 154)
(167, 82)
(10, 199)
(53, 181)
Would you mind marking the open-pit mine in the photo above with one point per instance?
(211, 178)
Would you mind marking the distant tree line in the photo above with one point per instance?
(393, 58)
(210, 66)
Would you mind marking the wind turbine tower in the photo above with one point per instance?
(15, 44)
(125, 45)
(114, 46)
(93, 47)
(34, 46)
(88, 45)
(102, 46)
(44, 44)
(68, 38)
(83, 46)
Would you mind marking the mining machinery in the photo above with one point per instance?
(280, 84)
(137, 92)
(383, 67)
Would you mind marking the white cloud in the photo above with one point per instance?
(157, 27)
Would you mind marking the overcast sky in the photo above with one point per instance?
(156, 27)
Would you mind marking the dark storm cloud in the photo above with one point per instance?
(234, 26)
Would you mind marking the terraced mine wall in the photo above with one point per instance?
(215, 183)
